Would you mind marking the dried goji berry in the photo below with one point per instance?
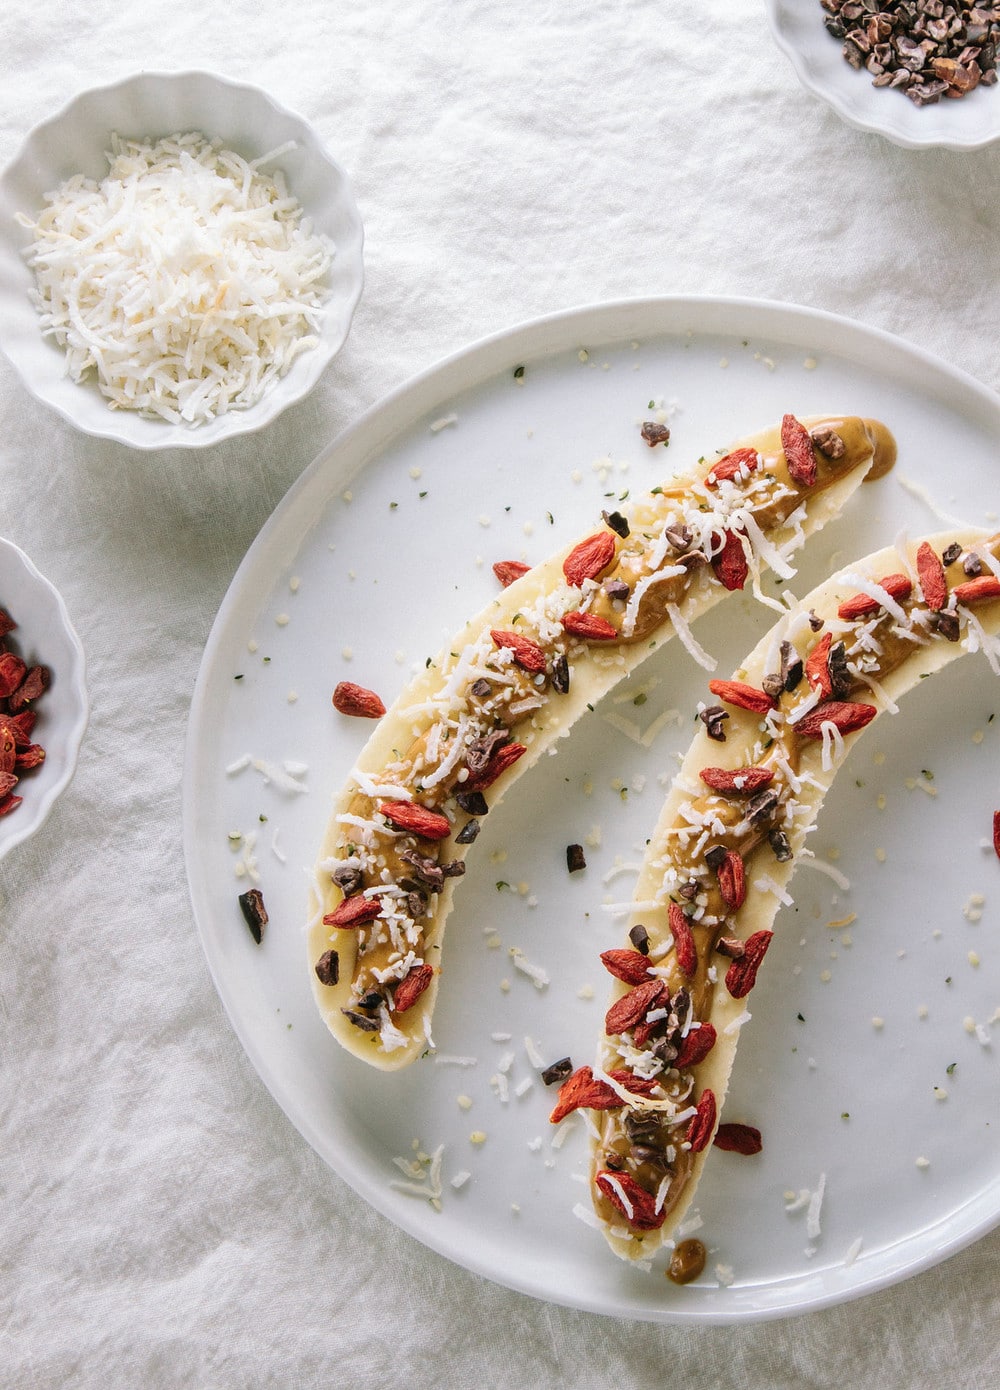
(630, 1199)
(419, 820)
(21, 725)
(628, 965)
(739, 461)
(738, 1139)
(695, 1047)
(741, 781)
(974, 590)
(527, 654)
(590, 626)
(7, 623)
(799, 454)
(10, 803)
(742, 974)
(732, 880)
(684, 947)
(12, 672)
(730, 564)
(357, 700)
(411, 987)
(587, 560)
(818, 667)
(33, 687)
(8, 781)
(702, 1124)
(32, 756)
(897, 586)
(742, 696)
(500, 760)
(845, 715)
(584, 1091)
(632, 1007)
(353, 912)
(507, 571)
(930, 572)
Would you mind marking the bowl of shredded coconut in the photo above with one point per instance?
(180, 259)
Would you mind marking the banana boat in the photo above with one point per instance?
(553, 642)
(730, 834)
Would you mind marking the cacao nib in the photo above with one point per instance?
(639, 937)
(560, 673)
(557, 1071)
(254, 912)
(328, 968)
(575, 858)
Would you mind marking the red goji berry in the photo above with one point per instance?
(845, 715)
(628, 965)
(799, 453)
(742, 974)
(507, 571)
(411, 987)
(527, 654)
(986, 586)
(630, 1199)
(353, 912)
(695, 1047)
(738, 1139)
(587, 560)
(740, 781)
(733, 464)
(730, 564)
(732, 880)
(897, 586)
(590, 626)
(742, 696)
(930, 572)
(684, 947)
(633, 1007)
(702, 1124)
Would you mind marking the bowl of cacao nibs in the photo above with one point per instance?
(43, 697)
(922, 73)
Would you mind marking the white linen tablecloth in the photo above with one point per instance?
(163, 1224)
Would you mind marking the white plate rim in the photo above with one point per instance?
(468, 366)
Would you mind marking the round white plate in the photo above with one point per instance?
(969, 123)
(377, 554)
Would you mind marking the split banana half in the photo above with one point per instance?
(515, 680)
(730, 835)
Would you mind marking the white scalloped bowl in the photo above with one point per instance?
(154, 105)
(44, 635)
(969, 123)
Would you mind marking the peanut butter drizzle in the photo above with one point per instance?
(863, 440)
(729, 811)
(687, 1262)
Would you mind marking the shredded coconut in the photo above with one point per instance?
(187, 279)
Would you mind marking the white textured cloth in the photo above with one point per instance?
(162, 1223)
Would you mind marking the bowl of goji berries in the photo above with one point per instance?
(43, 697)
(922, 73)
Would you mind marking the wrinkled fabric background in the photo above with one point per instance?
(162, 1223)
